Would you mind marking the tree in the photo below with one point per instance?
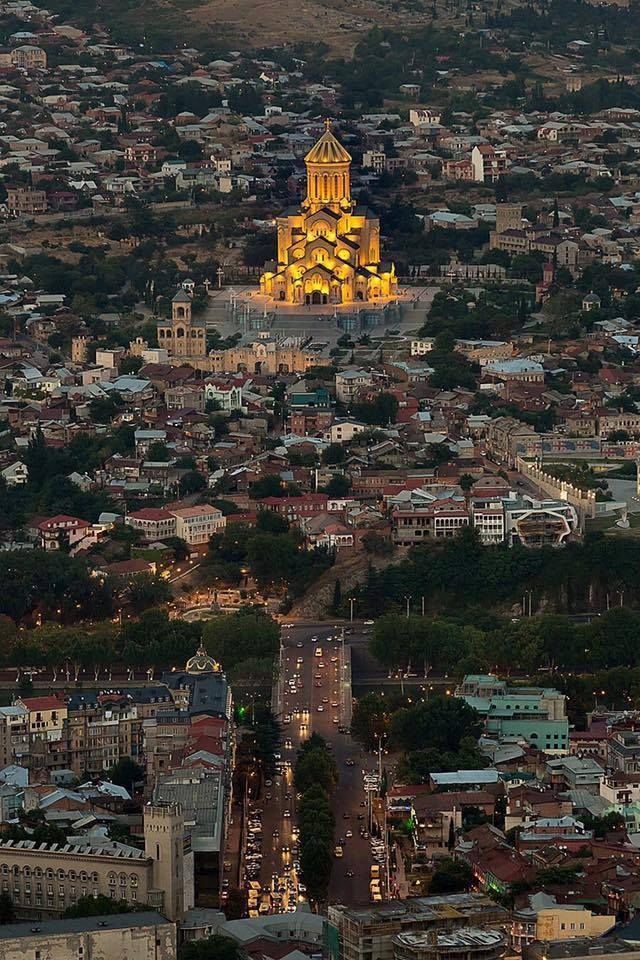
(130, 365)
(211, 948)
(441, 722)
(100, 906)
(126, 773)
(7, 912)
(466, 482)
(451, 876)
(104, 409)
(381, 412)
(333, 454)
(370, 719)
(158, 452)
(337, 595)
(377, 544)
(192, 482)
(338, 486)
(271, 522)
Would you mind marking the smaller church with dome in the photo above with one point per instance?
(329, 250)
(202, 686)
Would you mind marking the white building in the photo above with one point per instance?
(420, 347)
(227, 396)
(196, 525)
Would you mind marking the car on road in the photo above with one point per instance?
(286, 814)
(320, 708)
(346, 816)
(349, 762)
(349, 833)
(334, 720)
(349, 873)
(368, 623)
(318, 683)
(299, 644)
(334, 703)
(338, 852)
(325, 699)
(276, 834)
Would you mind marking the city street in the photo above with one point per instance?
(314, 700)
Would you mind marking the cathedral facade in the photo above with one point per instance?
(329, 250)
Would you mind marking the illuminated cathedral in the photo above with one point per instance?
(329, 252)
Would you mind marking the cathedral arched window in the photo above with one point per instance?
(315, 185)
(325, 186)
(336, 188)
(180, 332)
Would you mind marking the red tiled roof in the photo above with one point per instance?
(151, 513)
(43, 703)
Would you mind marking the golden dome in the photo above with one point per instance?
(328, 149)
(201, 662)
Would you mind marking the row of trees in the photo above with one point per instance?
(245, 643)
(316, 777)
(421, 645)
(461, 574)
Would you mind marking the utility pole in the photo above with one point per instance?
(422, 604)
(408, 599)
(352, 600)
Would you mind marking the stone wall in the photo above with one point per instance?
(583, 500)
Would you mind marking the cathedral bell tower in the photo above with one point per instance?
(328, 175)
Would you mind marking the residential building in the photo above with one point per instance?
(44, 879)
(227, 396)
(623, 751)
(470, 943)
(153, 522)
(545, 919)
(26, 201)
(488, 163)
(536, 714)
(146, 936)
(196, 525)
(368, 933)
(350, 382)
(602, 948)
(61, 532)
(575, 773)
(421, 347)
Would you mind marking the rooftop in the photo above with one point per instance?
(118, 921)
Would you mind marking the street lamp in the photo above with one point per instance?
(407, 597)
(352, 600)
